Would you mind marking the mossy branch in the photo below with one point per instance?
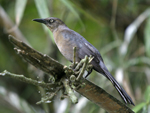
(67, 78)
(29, 80)
(69, 91)
(43, 62)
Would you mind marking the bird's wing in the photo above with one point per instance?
(83, 46)
(89, 49)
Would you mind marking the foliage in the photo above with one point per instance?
(118, 29)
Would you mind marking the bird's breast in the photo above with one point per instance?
(65, 45)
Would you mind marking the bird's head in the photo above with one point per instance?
(52, 23)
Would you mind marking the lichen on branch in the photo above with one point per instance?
(66, 79)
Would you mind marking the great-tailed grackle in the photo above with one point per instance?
(66, 39)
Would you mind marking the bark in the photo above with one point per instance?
(60, 72)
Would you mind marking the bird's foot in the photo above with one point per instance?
(89, 69)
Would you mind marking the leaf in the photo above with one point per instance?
(19, 10)
(132, 29)
(68, 4)
(14, 103)
(43, 11)
(139, 107)
(110, 46)
(135, 61)
(143, 105)
(42, 8)
(147, 94)
(147, 37)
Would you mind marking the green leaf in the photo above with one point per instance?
(87, 14)
(19, 10)
(69, 5)
(110, 46)
(14, 103)
(43, 11)
(139, 107)
(147, 94)
(147, 37)
(132, 29)
(138, 60)
(42, 8)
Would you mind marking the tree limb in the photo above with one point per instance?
(58, 71)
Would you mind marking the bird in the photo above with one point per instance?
(66, 39)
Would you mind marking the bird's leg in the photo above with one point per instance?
(75, 65)
(89, 66)
(84, 64)
(89, 71)
(85, 60)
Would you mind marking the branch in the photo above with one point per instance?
(9, 26)
(29, 80)
(69, 91)
(63, 74)
(43, 62)
(102, 98)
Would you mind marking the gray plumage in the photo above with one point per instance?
(66, 39)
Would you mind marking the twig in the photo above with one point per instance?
(86, 60)
(69, 91)
(47, 98)
(79, 65)
(74, 56)
(90, 59)
(29, 80)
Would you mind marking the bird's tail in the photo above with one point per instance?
(120, 90)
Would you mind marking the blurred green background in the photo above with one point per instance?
(119, 29)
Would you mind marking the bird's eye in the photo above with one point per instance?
(51, 20)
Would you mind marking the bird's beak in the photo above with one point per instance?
(40, 20)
